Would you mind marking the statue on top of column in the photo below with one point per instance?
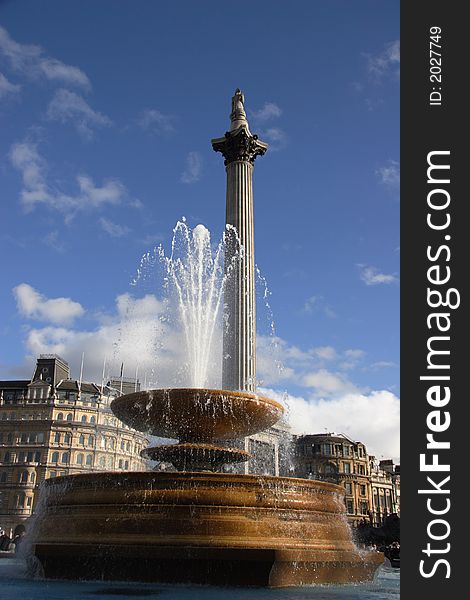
(238, 114)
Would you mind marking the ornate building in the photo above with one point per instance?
(52, 425)
(385, 484)
(336, 458)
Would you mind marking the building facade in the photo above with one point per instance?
(53, 425)
(338, 459)
(385, 484)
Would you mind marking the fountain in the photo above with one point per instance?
(200, 524)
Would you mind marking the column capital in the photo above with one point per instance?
(239, 145)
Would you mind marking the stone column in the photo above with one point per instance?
(240, 149)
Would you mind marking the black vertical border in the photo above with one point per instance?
(426, 128)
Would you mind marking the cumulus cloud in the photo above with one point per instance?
(69, 107)
(155, 121)
(372, 276)
(269, 111)
(34, 305)
(113, 229)
(6, 87)
(372, 418)
(326, 383)
(32, 62)
(37, 191)
(385, 62)
(389, 175)
(193, 168)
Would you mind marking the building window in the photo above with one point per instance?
(350, 507)
(126, 464)
(57, 438)
(363, 490)
(101, 461)
(55, 457)
(60, 417)
(92, 420)
(3, 477)
(81, 440)
(24, 477)
(69, 417)
(83, 418)
(89, 460)
(65, 457)
(79, 459)
(32, 477)
(20, 500)
(7, 457)
(348, 488)
(67, 438)
(120, 463)
(29, 501)
(91, 440)
(37, 457)
(364, 508)
(347, 467)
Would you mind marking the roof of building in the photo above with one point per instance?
(15, 384)
(74, 385)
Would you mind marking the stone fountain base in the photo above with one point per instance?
(210, 528)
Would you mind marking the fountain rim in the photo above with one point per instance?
(209, 391)
(117, 477)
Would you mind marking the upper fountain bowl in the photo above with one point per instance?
(192, 414)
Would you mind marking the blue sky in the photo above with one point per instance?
(106, 114)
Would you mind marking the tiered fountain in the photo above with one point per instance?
(200, 524)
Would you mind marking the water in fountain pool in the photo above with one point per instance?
(14, 584)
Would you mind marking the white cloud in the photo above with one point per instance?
(32, 62)
(33, 305)
(372, 276)
(269, 111)
(324, 352)
(155, 121)
(36, 189)
(385, 62)
(326, 383)
(373, 418)
(389, 174)
(67, 106)
(113, 229)
(6, 87)
(275, 136)
(193, 169)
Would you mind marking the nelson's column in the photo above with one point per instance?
(240, 149)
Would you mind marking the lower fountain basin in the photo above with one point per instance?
(211, 528)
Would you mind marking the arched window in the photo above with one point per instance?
(55, 457)
(120, 463)
(91, 440)
(83, 419)
(92, 420)
(20, 500)
(65, 457)
(3, 477)
(112, 443)
(126, 464)
(24, 477)
(81, 440)
(89, 460)
(60, 417)
(57, 438)
(101, 462)
(32, 477)
(67, 438)
(69, 417)
(128, 447)
(79, 459)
